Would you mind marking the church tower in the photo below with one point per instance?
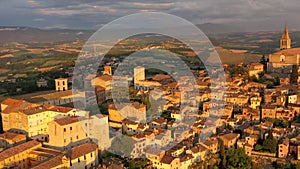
(285, 41)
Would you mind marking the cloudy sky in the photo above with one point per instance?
(250, 15)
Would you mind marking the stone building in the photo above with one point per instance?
(283, 60)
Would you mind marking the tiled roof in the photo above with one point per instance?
(291, 51)
(68, 120)
(198, 148)
(230, 136)
(18, 149)
(167, 159)
(13, 136)
(31, 108)
(186, 157)
(51, 163)
(83, 149)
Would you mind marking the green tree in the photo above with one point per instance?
(263, 61)
(270, 144)
(253, 78)
(103, 109)
(237, 159)
(212, 161)
(137, 163)
(222, 154)
(277, 80)
(258, 147)
(294, 75)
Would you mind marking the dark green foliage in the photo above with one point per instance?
(222, 154)
(278, 123)
(258, 147)
(263, 61)
(237, 71)
(270, 143)
(103, 109)
(237, 159)
(276, 80)
(253, 78)
(294, 75)
(137, 163)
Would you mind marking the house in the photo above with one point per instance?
(230, 140)
(169, 162)
(268, 111)
(84, 156)
(61, 84)
(198, 151)
(211, 144)
(18, 156)
(186, 161)
(255, 102)
(66, 132)
(255, 68)
(154, 155)
(9, 139)
(283, 148)
(30, 118)
(160, 122)
(102, 81)
(42, 82)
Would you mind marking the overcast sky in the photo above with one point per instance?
(250, 15)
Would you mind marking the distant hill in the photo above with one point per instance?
(30, 35)
(223, 35)
(209, 28)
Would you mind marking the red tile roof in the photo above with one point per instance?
(83, 149)
(18, 149)
(68, 120)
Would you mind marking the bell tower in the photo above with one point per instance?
(285, 41)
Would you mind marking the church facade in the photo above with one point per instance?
(283, 60)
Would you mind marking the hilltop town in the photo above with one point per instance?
(255, 124)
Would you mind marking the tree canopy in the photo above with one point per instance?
(270, 143)
(237, 159)
(294, 75)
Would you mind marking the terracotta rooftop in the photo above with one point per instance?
(198, 148)
(13, 136)
(104, 77)
(68, 120)
(291, 51)
(211, 141)
(230, 136)
(153, 151)
(83, 149)
(186, 157)
(160, 120)
(167, 159)
(18, 149)
(30, 108)
(127, 121)
(51, 163)
(10, 101)
(160, 77)
(51, 96)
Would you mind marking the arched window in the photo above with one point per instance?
(282, 58)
